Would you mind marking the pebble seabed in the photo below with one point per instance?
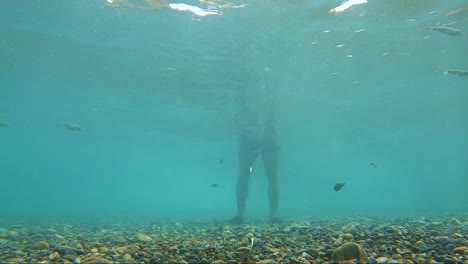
(302, 240)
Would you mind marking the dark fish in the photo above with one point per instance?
(373, 165)
(4, 124)
(338, 186)
(221, 160)
(215, 185)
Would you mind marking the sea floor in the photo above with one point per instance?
(441, 239)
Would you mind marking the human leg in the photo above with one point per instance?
(270, 158)
(270, 163)
(248, 152)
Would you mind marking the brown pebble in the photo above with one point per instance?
(267, 261)
(121, 250)
(461, 250)
(53, 256)
(41, 245)
(347, 237)
(90, 260)
(219, 261)
(348, 251)
(143, 238)
(381, 260)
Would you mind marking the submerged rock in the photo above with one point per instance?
(143, 238)
(267, 261)
(9, 234)
(62, 250)
(461, 250)
(53, 256)
(338, 242)
(311, 251)
(350, 227)
(381, 260)
(94, 259)
(349, 251)
(347, 237)
(442, 239)
(41, 245)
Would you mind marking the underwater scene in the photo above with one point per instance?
(234, 131)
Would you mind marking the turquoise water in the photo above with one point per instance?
(155, 92)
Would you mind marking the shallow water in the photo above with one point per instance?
(155, 91)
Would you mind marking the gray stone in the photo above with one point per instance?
(381, 260)
(243, 249)
(267, 261)
(442, 239)
(311, 251)
(449, 261)
(69, 251)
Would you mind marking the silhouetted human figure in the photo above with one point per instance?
(257, 139)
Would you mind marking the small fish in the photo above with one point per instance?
(221, 160)
(4, 124)
(71, 126)
(347, 4)
(214, 185)
(250, 171)
(456, 11)
(447, 30)
(373, 165)
(457, 72)
(338, 186)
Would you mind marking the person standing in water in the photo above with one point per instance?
(257, 139)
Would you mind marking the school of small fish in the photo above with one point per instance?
(449, 30)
